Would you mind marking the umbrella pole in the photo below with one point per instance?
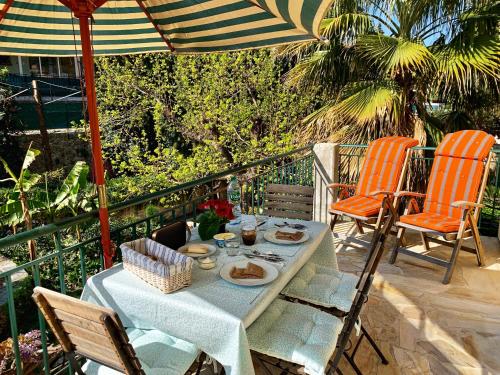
(88, 67)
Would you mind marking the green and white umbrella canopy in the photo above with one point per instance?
(47, 27)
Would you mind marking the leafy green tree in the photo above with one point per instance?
(387, 60)
(170, 119)
(234, 107)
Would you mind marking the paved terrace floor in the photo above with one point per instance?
(423, 326)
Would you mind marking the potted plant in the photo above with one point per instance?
(30, 346)
(216, 213)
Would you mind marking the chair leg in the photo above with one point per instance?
(359, 226)
(477, 242)
(404, 243)
(374, 346)
(425, 241)
(453, 260)
(394, 254)
(74, 363)
(457, 246)
(333, 221)
(353, 364)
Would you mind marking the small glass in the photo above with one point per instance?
(232, 244)
(249, 234)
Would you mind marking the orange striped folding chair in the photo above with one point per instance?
(383, 173)
(452, 203)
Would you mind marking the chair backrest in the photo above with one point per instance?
(457, 171)
(384, 162)
(289, 201)
(92, 331)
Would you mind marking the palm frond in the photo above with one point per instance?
(329, 70)
(365, 111)
(347, 27)
(394, 55)
(368, 102)
(468, 65)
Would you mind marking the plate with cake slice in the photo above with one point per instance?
(286, 236)
(197, 250)
(249, 272)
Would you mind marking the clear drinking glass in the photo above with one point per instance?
(248, 233)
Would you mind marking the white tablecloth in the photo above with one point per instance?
(211, 313)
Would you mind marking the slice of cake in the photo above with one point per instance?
(251, 271)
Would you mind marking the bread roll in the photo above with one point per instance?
(197, 249)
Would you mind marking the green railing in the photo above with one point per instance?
(351, 157)
(75, 243)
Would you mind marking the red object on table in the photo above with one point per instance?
(221, 207)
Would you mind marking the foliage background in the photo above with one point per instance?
(167, 120)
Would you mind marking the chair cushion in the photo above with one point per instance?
(457, 171)
(323, 286)
(466, 144)
(383, 164)
(159, 354)
(358, 205)
(427, 220)
(296, 333)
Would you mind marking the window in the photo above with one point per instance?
(34, 64)
(67, 65)
(49, 66)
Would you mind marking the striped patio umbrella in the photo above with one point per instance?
(121, 27)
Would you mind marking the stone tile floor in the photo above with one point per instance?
(423, 326)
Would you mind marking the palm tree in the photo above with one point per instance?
(386, 60)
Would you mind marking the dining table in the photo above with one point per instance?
(212, 313)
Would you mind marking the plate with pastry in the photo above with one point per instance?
(286, 236)
(197, 250)
(249, 272)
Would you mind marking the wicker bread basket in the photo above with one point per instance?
(158, 265)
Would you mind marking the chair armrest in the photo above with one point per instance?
(466, 204)
(344, 186)
(409, 194)
(378, 192)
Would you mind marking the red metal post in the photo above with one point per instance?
(88, 67)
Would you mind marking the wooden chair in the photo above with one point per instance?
(452, 203)
(383, 171)
(289, 201)
(97, 333)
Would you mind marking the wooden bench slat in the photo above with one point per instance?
(84, 309)
(290, 206)
(288, 198)
(94, 347)
(101, 358)
(287, 214)
(76, 320)
(290, 189)
(84, 332)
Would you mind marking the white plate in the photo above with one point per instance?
(270, 235)
(270, 273)
(211, 250)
